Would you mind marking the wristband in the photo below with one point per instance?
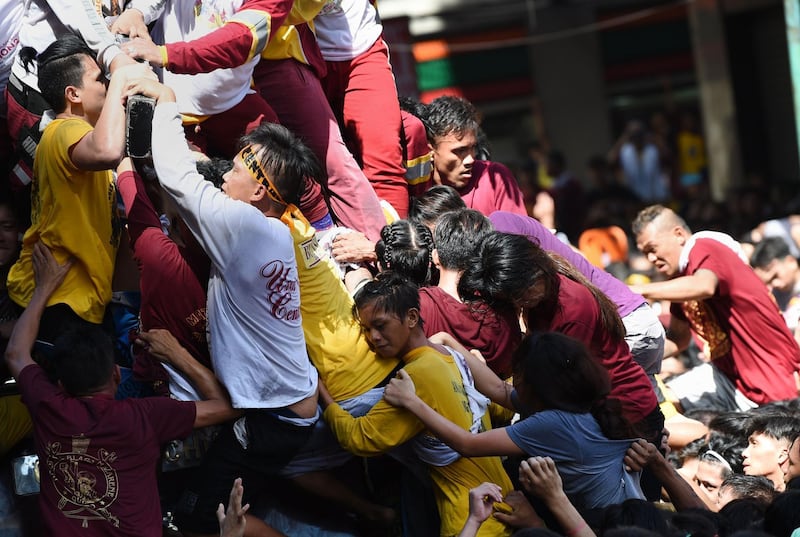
(577, 529)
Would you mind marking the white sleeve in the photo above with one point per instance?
(81, 17)
(151, 9)
(216, 221)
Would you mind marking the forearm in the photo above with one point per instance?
(680, 492)
(108, 136)
(486, 381)
(471, 527)
(381, 429)
(82, 18)
(444, 429)
(203, 378)
(678, 289)
(565, 513)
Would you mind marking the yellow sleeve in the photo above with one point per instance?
(304, 11)
(381, 429)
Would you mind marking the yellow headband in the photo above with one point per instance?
(250, 161)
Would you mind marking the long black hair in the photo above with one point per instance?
(559, 373)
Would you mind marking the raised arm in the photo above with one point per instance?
(401, 392)
(138, 207)
(243, 36)
(48, 274)
(539, 476)
(216, 408)
(104, 146)
(643, 453)
(81, 17)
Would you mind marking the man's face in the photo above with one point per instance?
(662, 246)
(779, 274)
(764, 455)
(93, 89)
(708, 477)
(792, 468)
(387, 334)
(453, 157)
(238, 183)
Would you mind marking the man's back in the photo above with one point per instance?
(98, 456)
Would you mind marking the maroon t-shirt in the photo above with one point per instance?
(97, 457)
(747, 336)
(495, 334)
(173, 280)
(578, 316)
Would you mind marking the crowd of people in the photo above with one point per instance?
(298, 280)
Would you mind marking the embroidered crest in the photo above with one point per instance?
(87, 485)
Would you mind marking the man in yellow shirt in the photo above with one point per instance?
(388, 311)
(73, 198)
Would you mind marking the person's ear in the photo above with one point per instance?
(783, 456)
(116, 374)
(259, 193)
(72, 94)
(435, 258)
(412, 318)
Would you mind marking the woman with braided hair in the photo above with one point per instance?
(406, 249)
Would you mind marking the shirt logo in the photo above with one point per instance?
(87, 485)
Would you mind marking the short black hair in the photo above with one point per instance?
(213, 169)
(389, 292)
(83, 359)
(458, 235)
(450, 115)
(287, 161)
(777, 427)
(428, 207)
(59, 65)
(750, 486)
(768, 250)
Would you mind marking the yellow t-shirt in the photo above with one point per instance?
(73, 213)
(334, 340)
(438, 383)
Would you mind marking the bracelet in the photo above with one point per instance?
(577, 529)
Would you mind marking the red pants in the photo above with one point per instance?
(363, 95)
(295, 93)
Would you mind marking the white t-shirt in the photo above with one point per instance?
(255, 329)
(346, 29)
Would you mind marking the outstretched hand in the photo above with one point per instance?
(48, 273)
(130, 23)
(149, 87)
(160, 343)
(232, 522)
(522, 514)
(400, 390)
(482, 499)
(353, 247)
(539, 476)
(640, 454)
